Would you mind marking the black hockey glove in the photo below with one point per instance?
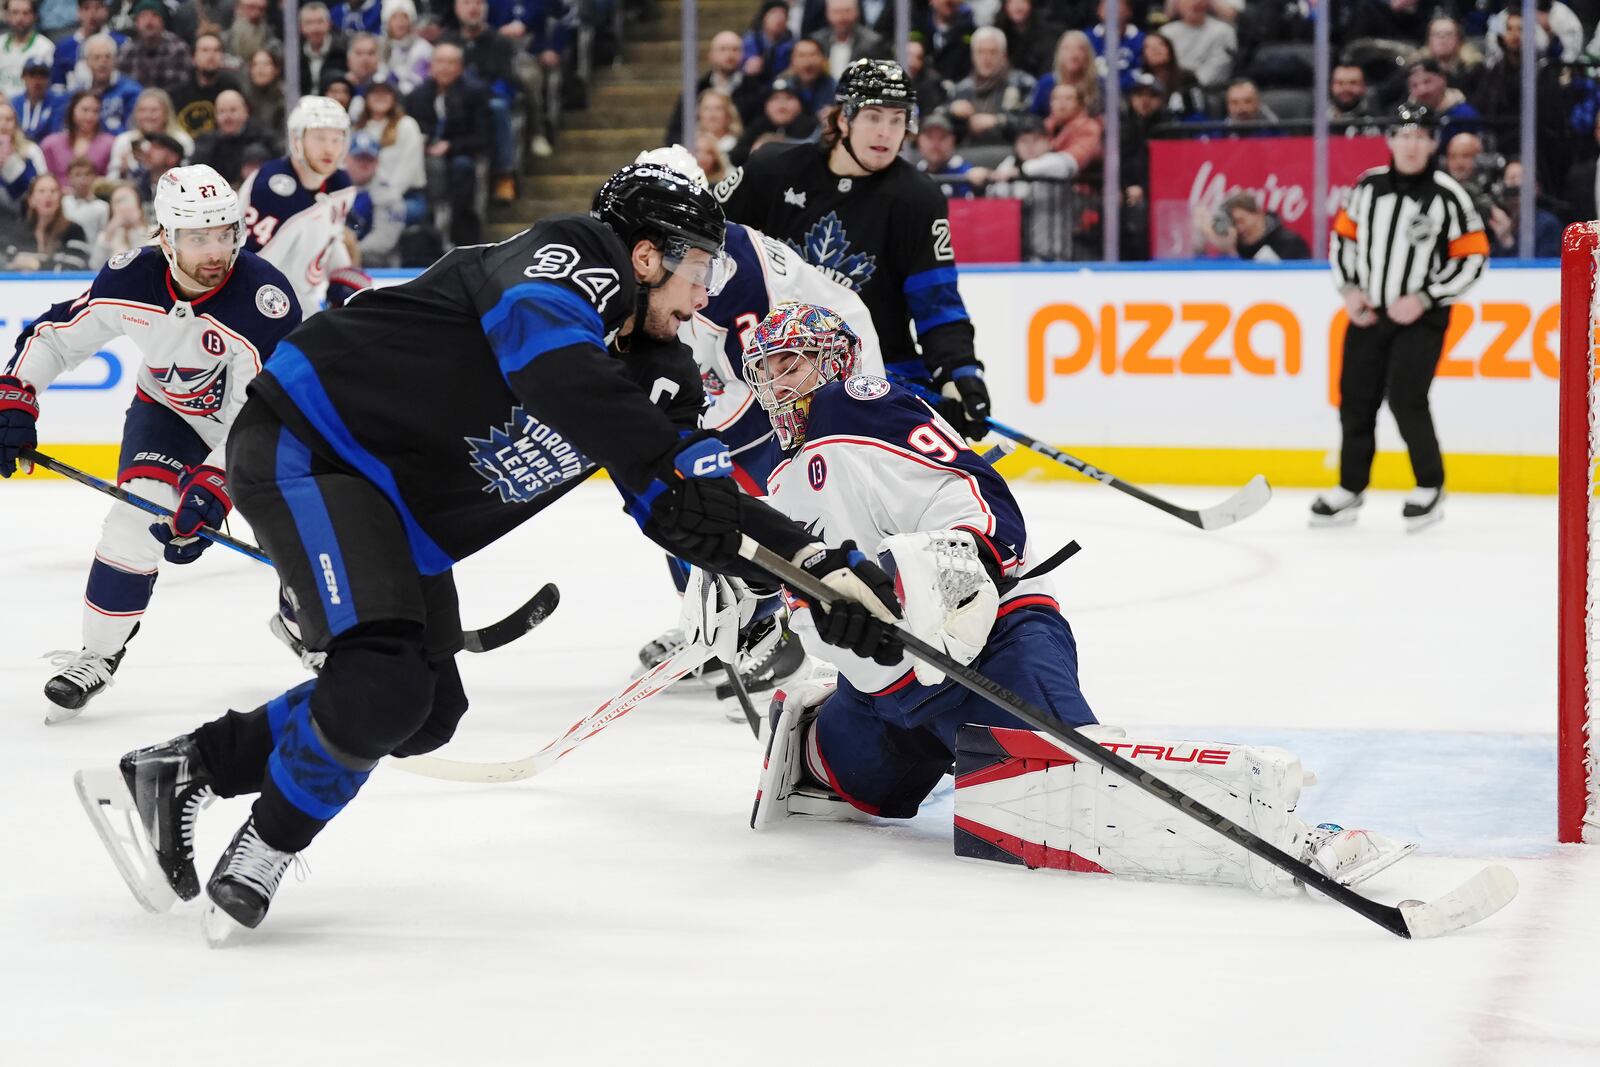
(863, 621)
(964, 399)
(19, 418)
(699, 511)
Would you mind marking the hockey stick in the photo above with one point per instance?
(1248, 500)
(1479, 897)
(742, 695)
(491, 637)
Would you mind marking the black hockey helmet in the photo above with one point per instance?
(647, 201)
(1411, 113)
(877, 83)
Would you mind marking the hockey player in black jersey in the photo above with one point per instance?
(388, 439)
(854, 208)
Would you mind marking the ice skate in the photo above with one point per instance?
(669, 644)
(286, 629)
(242, 886)
(82, 675)
(770, 655)
(1337, 507)
(1350, 857)
(1423, 508)
(144, 811)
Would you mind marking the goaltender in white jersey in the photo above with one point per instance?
(296, 207)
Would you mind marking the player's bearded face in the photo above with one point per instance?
(324, 149)
(206, 254)
(876, 134)
(679, 296)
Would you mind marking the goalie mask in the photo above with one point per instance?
(796, 350)
(192, 204)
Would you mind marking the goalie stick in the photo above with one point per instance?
(1248, 500)
(491, 637)
(1473, 901)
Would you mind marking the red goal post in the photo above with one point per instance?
(1578, 641)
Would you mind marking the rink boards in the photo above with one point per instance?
(1160, 373)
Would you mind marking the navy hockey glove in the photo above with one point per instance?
(345, 283)
(19, 418)
(965, 399)
(700, 511)
(202, 501)
(862, 621)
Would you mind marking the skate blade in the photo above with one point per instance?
(58, 714)
(220, 929)
(1346, 517)
(106, 800)
(1422, 522)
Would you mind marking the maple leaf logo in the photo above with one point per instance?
(827, 247)
(525, 458)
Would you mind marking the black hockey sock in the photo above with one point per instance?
(235, 749)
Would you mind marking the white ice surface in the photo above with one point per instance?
(618, 909)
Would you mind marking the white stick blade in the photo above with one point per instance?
(1472, 902)
(1241, 505)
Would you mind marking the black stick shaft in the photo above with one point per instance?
(1385, 916)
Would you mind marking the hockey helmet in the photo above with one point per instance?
(877, 83)
(1410, 113)
(793, 352)
(314, 113)
(193, 198)
(648, 201)
(678, 158)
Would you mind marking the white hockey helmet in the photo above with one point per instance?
(196, 198)
(678, 158)
(314, 113)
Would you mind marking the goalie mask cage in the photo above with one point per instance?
(1578, 642)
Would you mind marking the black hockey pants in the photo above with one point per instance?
(1397, 362)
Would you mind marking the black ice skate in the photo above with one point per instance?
(286, 628)
(769, 653)
(1423, 508)
(82, 675)
(144, 812)
(1337, 507)
(242, 885)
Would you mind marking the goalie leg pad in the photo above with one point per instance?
(786, 786)
(1022, 798)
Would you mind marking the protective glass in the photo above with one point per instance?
(200, 241)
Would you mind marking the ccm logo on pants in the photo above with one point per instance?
(328, 578)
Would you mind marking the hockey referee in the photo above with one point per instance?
(1406, 244)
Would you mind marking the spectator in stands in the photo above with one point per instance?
(117, 92)
(1347, 95)
(1027, 37)
(1246, 113)
(1462, 155)
(1075, 134)
(92, 16)
(195, 98)
(263, 90)
(41, 108)
(125, 228)
(160, 154)
(81, 135)
(321, 50)
(783, 118)
(1387, 20)
(1183, 96)
(539, 66)
(190, 18)
(932, 91)
(365, 56)
(399, 138)
(1132, 48)
(717, 118)
(20, 163)
(250, 30)
(936, 149)
(56, 17)
(337, 87)
(357, 16)
(21, 42)
(846, 40)
(152, 114)
(1426, 84)
(487, 56)
(154, 55)
(1203, 44)
(406, 56)
(378, 213)
(45, 239)
(990, 100)
(1074, 65)
(768, 43)
(1461, 61)
(1505, 215)
(1143, 110)
(454, 114)
(1010, 179)
(945, 29)
(1581, 181)
(224, 147)
(1559, 32)
(723, 56)
(712, 157)
(80, 204)
(1247, 230)
(808, 76)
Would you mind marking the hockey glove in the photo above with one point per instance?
(965, 399)
(699, 511)
(947, 591)
(345, 283)
(202, 501)
(863, 620)
(19, 418)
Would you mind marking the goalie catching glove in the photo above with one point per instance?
(946, 591)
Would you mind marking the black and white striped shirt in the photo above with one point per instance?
(1402, 234)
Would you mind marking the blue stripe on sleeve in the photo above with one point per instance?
(933, 299)
(311, 519)
(293, 371)
(538, 317)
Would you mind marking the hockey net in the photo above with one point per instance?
(1578, 650)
